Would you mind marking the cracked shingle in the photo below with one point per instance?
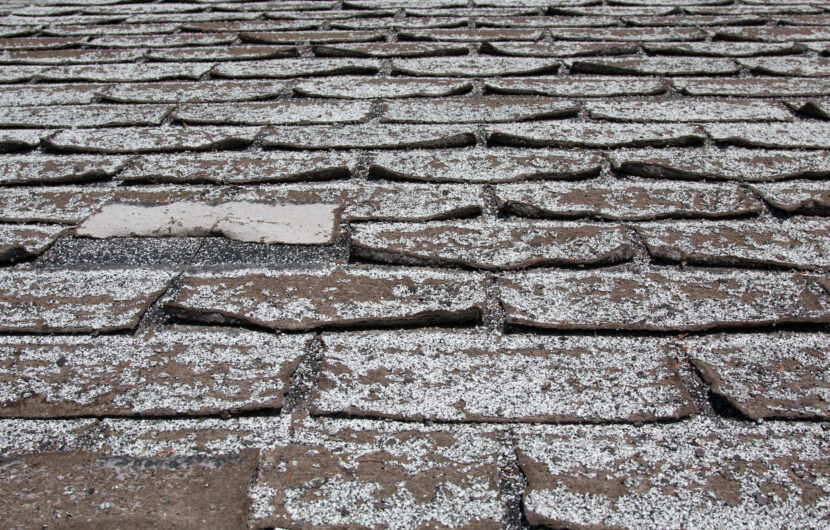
(19, 242)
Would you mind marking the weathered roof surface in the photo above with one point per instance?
(415, 263)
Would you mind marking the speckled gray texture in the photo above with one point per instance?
(77, 301)
(353, 296)
(500, 244)
(815, 108)
(661, 298)
(167, 372)
(17, 139)
(723, 49)
(626, 199)
(391, 49)
(192, 92)
(490, 166)
(470, 376)
(669, 66)
(797, 242)
(685, 474)
(82, 115)
(126, 72)
(752, 86)
(477, 110)
(558, 49)
(771, 375)
(797, 66)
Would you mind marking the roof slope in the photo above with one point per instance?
(415, 263)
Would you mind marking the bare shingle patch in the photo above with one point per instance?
(308, 224)
(469, 376)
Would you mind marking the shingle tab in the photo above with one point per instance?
(795, 66)
(796, 242)
(557, 49)
(25, 95)
(371, 136)
(661, 299)
(809, 135)
(683, 474)
(387, 87)
(628, 199)
(240, 168)
(45, 169)
(165, 373)
(148, 140)
(19, 242)
(685, 110)
(191, 92)
(77, 301)
(285, 112)
(469, 376)
(82, 115)
(670, 66)
(750, 165)
(283, 68)
(576, 86)
(487, 166)
(803, 197)
(513, 244)
(568, 133)
(752, 86)
(331, 297)
(390, 49)
(477, 110)
(475, 66)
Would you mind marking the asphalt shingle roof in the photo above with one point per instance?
(415, 263)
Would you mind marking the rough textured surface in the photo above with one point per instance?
(481, 110)
(138, 140)
(474, 377)
(76, 301)
(392, 87)
(94, 490)
(575, 86)
(293, 224)
(331, 297)
(810, 135)
(40, 169)
(661, 299)
(474, 66)
(711, 110)
(625, 199)
(167, 372)
(492, 245)
(676, 475)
